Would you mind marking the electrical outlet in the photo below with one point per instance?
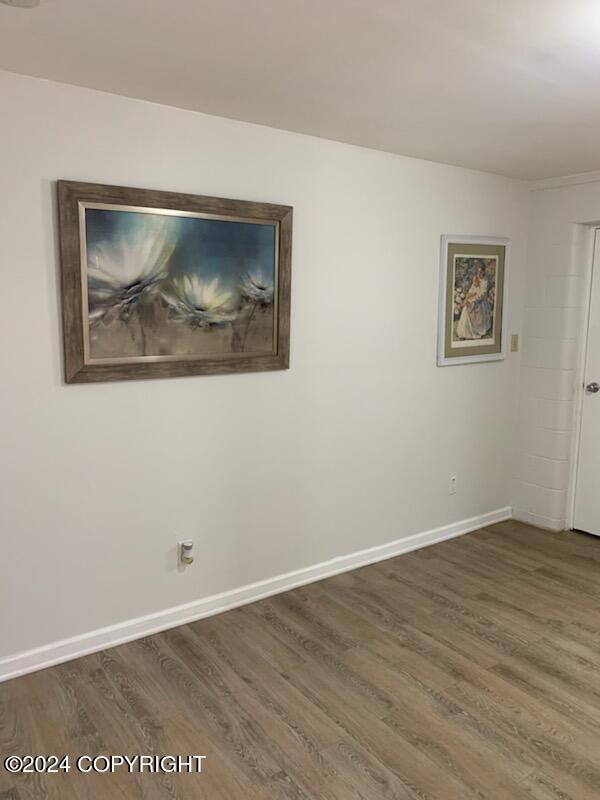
(186, 551)
(452, 485)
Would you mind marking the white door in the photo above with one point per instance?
(587, 492)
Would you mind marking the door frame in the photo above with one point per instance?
(589, 265)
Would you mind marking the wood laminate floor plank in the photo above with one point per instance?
(469, 670)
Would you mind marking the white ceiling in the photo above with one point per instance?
(509, 86)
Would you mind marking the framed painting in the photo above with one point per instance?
(473, 299)
(157, 284)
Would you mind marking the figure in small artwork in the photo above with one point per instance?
(474, 298)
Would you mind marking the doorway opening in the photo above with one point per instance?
(585, 512)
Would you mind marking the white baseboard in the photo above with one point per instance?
(76, 646)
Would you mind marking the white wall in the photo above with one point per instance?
(559, 256)
(352, 447)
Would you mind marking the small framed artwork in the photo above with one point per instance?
(157, 284)
(473, 299)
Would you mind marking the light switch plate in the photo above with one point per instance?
(514, 343)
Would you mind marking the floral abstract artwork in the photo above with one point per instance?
(162, 285)
(473, 281)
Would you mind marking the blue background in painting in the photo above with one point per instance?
(205, 247)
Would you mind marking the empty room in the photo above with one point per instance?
(300, 416)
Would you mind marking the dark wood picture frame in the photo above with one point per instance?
(73, 197)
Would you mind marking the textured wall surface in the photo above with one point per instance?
(559, 257)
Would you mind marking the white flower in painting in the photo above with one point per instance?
(257, 288)
(123, 271)
(202, 303)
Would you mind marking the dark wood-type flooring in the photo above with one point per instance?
(470, 669)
